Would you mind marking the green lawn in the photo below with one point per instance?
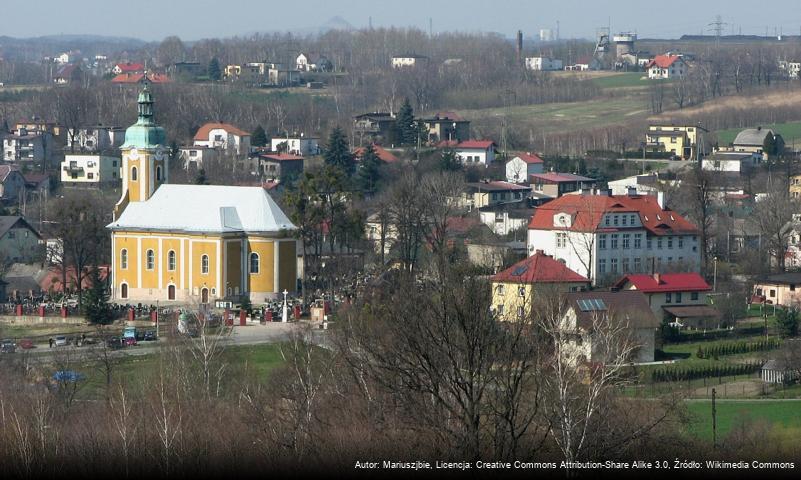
(627, 79)
(730, 413)
(789, 131)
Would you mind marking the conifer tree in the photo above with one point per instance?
(338, 153)
(369, 169)
(214, 69)
(259, 137)
(95, 304)
(405, 127)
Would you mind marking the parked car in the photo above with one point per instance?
(130, 341)
(61, 341)
(26, 343)
(8, 346)
(139, 335)
(67, 376)
(150, 336)
(115, 343)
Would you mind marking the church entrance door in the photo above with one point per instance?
(171, 292)
(204, 295)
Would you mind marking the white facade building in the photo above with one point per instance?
(519, 168)
(225, 137)
(731, 162)
(543, 63)
(90, 170)
(302, 146)
(475, 152)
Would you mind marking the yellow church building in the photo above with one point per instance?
(193, 243)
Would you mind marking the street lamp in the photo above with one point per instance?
(715, 275)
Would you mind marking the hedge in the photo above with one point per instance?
(737, 347)
(673, 374)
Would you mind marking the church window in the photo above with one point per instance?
(150, 259)
(158, 174)
(133, 174)
(254, 263)
(171, 261)
(124, 259)
(204, 264)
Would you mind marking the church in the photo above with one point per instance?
(193, 243)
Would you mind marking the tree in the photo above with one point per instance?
(771, 217)
(405, 128)
(337, 153)
(170, 50)
(787, 320)
(448, 161)
(200, 178)
(95, 306)
(259, 138)
(214, 71)
(369, 169)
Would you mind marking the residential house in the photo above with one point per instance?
(475, 152)
(96, 138)
(489, 193)
(514, 290)
(680, 140)
(224, 136)
(496, 255)
(503, 219)
(383, 154)
(521, 167)
(12, 184)
(280, 165)
(19, 241)
(555, 184)
(195, 155)
(447, 126)
(23, 280)
(584, 63)
(94, 170)
(376, 127)
(780, 289)
(754, 140)
(677, 297)
(313, 62)
(380, 229)
(795, 186)
(603, 236)
(779, 371)
(27, 147)
(254, 73)
(589, 314)
(283, 77)
(37, 125)
(67, 74)
(643, 184)
(296, 145)
(128, 67)
(733, 163)
(666, 67)
(409, 60)
(543, 64)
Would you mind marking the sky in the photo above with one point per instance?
(152, 20)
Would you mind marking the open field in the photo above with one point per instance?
(624, 79)
(790, 131)
(730, 414)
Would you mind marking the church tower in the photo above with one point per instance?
(145, 162)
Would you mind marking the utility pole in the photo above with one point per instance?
(714, 421)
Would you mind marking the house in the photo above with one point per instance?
(780, 289)
(475, 152)
(296, 145)
(514, 289)
(282, 77)
(313, 62)
(495, 255)
(779, 371)
(754, 140)
(383, 154)
(379, 228)
(488, 193)
(543, 64)
(12, 184)
(37, 183)
(789, 69)
(128, 67)
(795, 186)
(96, 170)
(584, 63)
(588, 314)
(23, 280)
(555, 184)
(254, 73)
(96, 138)
(136, 78)
(643, 184)
(446, 126)
(680, 140)
(521, 167)
(376, 127)
(225, 137)
(669, 295)
(503, 219)
(27, 147)
(666, 67)
(409, 60)
(280, 165)
(195, 156)
(37, 125)
(603, 236)
(67, 74)
(19, 241)
(734, 163)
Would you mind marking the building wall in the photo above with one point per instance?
(509, 299)
(779, 294)
(19, 244)
(11, 188)
(96, 169)
(475, 156)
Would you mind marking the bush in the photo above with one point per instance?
(736, 348)
(674, 374)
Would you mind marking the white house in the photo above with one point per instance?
(225, 137)
(519, 168)
(731, 162)
(26, 146)
(95, 139)
(408, 60)
(543, 63)
(90, 170)
(475, 152)
(295, 145)
(675, 295)
(194, 156)
(503, 220)
(666, 66)
(604, 236)
(313, 62)
(643, 184)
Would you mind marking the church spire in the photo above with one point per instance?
(145, 105)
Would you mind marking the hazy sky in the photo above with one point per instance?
(195, 19)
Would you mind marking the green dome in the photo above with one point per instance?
(145, 133)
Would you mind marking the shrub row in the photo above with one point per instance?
(738, 347)
(673, 374)
(696, 336)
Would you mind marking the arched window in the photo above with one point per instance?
(133, 174)
(171, 261)
(204, 264)
(124, 290)
(150, 260)
(158, 174)
(124, 258)
(254, 263)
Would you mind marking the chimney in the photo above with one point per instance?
(519, 49)
(657, 278)
(539, 252)
(661, 199)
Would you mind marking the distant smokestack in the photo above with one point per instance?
(519, 46)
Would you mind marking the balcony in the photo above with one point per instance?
(73, 169)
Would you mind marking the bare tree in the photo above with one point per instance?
(771, 217)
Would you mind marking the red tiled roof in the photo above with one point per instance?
(203, 132)
(137, 78)
(530, 158)
(588, 210)
(382, 153)
(538, 268)
(53, 278)
(280, 157)
(665, 282)
(447, 143)
(461, 225)
(130, 67)
(663, 61)
(482, 144)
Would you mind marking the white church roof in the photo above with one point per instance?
(205, 208)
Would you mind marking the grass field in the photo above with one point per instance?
(732, 413)
(626, 79)
(789, 131)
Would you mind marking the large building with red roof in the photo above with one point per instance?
(475, 152)
(670, 294)
(225, 137)
(604, 236)
(666, 66)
